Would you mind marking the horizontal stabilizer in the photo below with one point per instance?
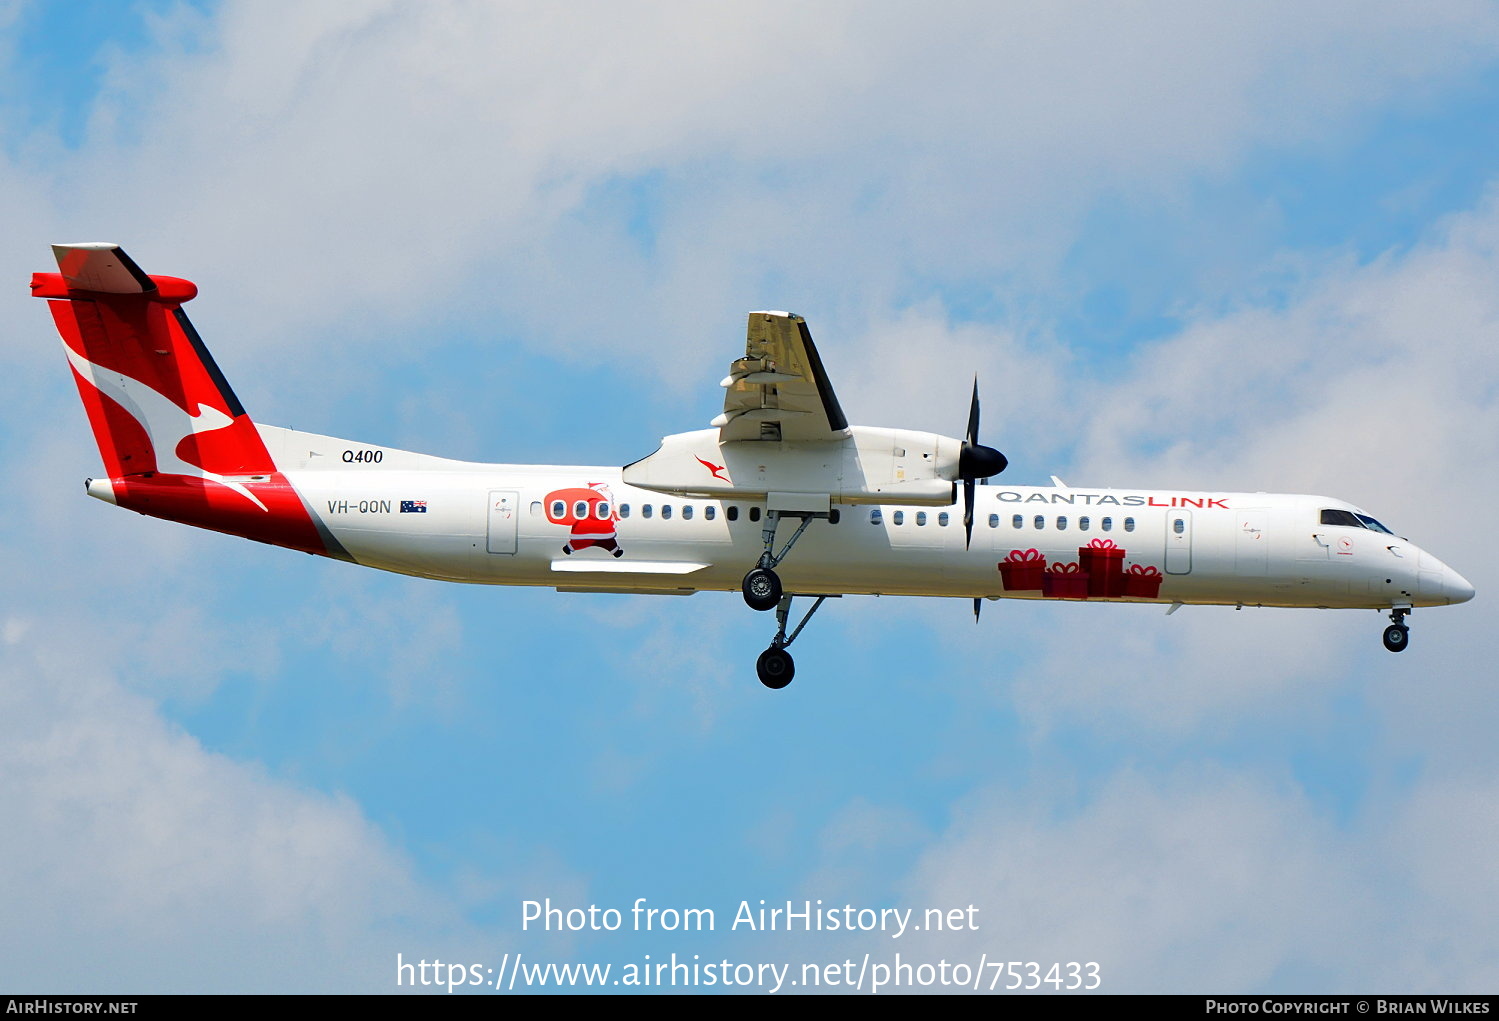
(101, 267)
(96, 268)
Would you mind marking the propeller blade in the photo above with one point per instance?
(968, 513)
(976, 461)
(978, 604)
(973, 414)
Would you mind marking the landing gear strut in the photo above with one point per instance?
(762, 586)
(775, 665)
(1397, 636)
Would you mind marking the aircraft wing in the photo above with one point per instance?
(779, 389)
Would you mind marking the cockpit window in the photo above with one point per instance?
(1333, 516)
(1348, 519)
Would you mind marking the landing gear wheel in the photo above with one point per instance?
(1397, 637)
(762, 589)
(775, 668)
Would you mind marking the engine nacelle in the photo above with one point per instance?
(870, 465)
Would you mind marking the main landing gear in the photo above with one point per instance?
(762, 586)
(762, 591)
(775, 666)
(1397, 636)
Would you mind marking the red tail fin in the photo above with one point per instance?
(175, 440)
(155, 398)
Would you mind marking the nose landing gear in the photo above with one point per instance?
(1397, 635)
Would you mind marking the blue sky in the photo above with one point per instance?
(1182, 245)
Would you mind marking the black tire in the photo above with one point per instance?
(775, 668)
(762, 589)
(1397, 637)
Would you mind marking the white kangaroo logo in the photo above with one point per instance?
(165, 423)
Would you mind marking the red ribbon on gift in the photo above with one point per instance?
(1030, 556)
(1067, 568)
(1144, 570)
(1102, 544)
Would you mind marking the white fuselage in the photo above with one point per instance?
(497, 524)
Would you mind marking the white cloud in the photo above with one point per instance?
(357, 162)
(1440, 841)
(1214, 881)
(136, 860)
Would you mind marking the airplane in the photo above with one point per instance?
(881, 511)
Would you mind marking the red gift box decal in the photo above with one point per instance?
(1065, 581)
(1022, 570)
(1142, 581)
(1104, 562)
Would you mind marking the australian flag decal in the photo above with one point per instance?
(413, 506)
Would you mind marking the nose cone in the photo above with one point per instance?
(1439, 583)
(1459, 590)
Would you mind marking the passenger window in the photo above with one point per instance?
(559, 509)
(993, 520)
(710, 512)
(1129, 524)
(1040, 521)
(921, 517)
(645, 511)
(580, 510)
(899, 517)
(875, 517)
(1018, 521)
(942, 519)
(665, 511)
(754, 513)
(1179, 526)
(1083, 523)
(536, 508)
(732, 512)
(1107, 524)
(624, 510)
(687, 513)
(1061, 524)
(601, 510)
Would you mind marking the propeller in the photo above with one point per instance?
(975, 462)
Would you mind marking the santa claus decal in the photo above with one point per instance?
(591, 515)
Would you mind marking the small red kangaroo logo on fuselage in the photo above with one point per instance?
(714, 468)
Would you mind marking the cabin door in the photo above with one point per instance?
(1179, 542)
